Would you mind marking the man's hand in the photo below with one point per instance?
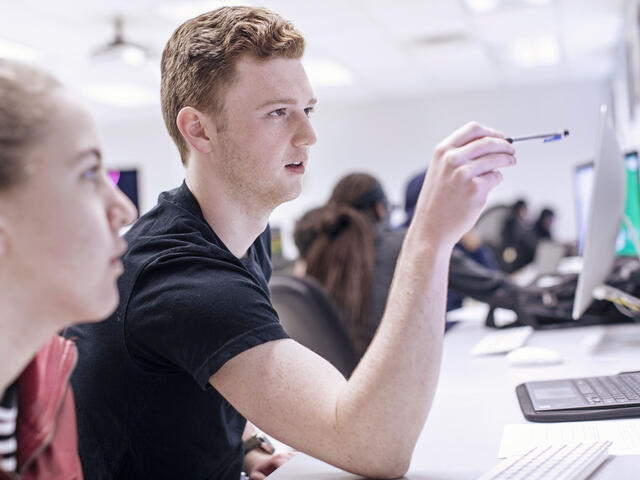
(463, 172)
(259, 464)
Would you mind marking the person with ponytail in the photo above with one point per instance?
(348, 246)
(336, 244)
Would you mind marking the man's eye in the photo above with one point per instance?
(309, 110)
(277, 113)
(92, 173)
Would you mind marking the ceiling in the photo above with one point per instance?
(386, 49)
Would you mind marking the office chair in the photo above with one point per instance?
(489, 225)
(310, 317)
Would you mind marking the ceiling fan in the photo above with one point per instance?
(119, 49)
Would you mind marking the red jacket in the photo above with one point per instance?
(46, 425)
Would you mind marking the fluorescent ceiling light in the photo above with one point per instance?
(17, 51)
(183, 11)
(482, 6)
(531, 52)
(133, 56)
(327, 73)
(130, 55)
(123, 95)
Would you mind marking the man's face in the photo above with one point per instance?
(263, 148)
(63, 222)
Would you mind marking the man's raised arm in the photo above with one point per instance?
(369, 424)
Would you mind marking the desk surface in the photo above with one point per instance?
(476, 398)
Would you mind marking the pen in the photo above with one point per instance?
(547, 137)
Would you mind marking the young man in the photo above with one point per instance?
(165, 385)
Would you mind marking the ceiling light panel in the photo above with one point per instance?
(482, 6)
(534, 51)
(17, 51)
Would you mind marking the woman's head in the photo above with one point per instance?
(362, 192)
(59, 214)
(337, 245)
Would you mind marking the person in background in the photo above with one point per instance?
(542, 226)
(363, 193)
(470, 244)
(336, 247)
(172, 384)
(60, 252)
(518, 243)
(349, 247)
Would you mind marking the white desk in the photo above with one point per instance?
(476, 398)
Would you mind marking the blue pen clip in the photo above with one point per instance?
(551, 139)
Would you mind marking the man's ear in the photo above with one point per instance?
(192, 126)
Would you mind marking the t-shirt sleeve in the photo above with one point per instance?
(194, 314)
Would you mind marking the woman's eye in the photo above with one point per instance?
(277, 113)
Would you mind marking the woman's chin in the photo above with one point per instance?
(104, 306)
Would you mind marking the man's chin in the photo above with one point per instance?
(292, 194)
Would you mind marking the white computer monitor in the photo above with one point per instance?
(605, 214)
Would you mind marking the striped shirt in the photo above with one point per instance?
(8, 416)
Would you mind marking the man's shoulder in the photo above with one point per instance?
(170, 228)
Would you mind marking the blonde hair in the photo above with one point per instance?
(198, 62)
(26, 102)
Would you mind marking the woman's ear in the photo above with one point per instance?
(381, 210)
(193, 126)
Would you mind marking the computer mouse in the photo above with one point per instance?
(533, 357)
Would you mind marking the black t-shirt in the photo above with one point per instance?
(187, 305)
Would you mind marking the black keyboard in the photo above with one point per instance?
(623, 389)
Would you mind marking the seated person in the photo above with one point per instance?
(518, 243)
(170, 385)
(542, 226)
(470, 244)
(348, 246)
(60, 250)
(336, 247)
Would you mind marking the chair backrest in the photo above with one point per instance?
(310, 317)
(489, 225)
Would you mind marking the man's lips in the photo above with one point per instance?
(297, 167)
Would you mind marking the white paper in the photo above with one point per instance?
(519, 438)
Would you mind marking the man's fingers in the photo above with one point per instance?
(487, 163)
(469, 132)
(488, 181)
(482, 147)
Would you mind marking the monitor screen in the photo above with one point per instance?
(625, 241)
(583, 185)
(127, 181)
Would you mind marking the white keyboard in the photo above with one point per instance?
(566, 462)
(502, 341)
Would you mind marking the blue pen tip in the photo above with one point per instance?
(551, 139)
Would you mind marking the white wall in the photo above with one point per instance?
(393, 139)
